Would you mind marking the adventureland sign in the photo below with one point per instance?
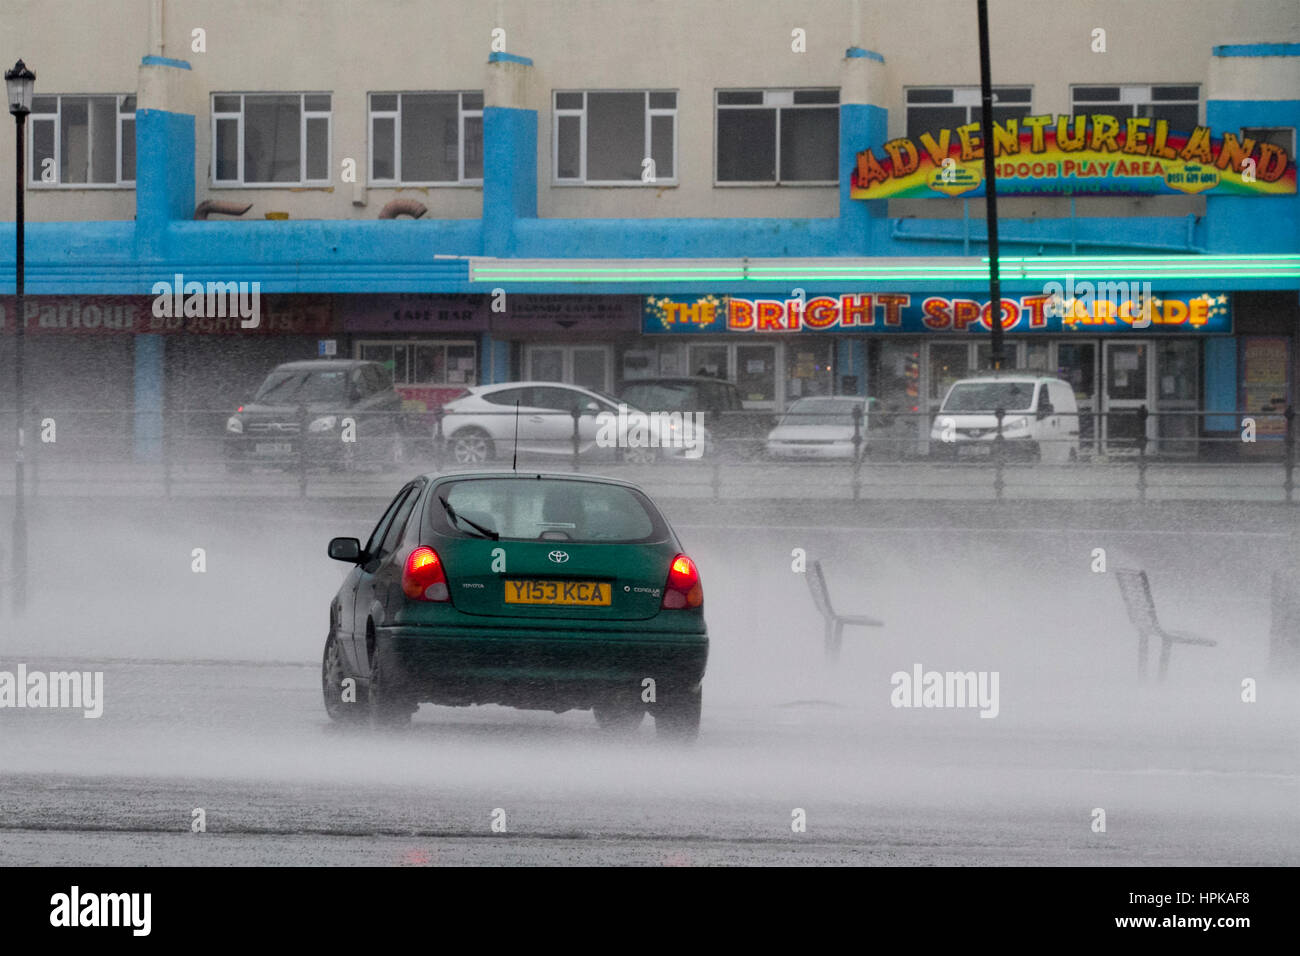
(1093, 154)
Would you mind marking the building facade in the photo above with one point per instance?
(787, 196)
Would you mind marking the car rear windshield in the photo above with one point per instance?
(303, 385)
(820, 411)
(662, 397)
(990, 396)
(558, 509)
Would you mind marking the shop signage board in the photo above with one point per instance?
(280, 314)
(1084, 154)
(1105, 314)
(414, 312)
(566, 314)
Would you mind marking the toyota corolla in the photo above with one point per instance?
(537, 591)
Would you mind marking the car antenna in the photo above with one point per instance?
(514, 461)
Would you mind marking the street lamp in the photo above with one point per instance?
(18, 85)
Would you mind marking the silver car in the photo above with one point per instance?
(818, 428)
(481, 426)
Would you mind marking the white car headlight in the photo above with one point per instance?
(234, 425)
(323, 424)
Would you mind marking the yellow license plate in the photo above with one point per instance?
(578, 593)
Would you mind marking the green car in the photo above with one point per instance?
(548, 592)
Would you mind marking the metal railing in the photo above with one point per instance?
(1124, 453)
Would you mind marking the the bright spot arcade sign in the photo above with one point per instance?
(1093, 154)
(1080, 310)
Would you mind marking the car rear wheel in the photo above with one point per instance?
(677, 716)
(389, 707)
(619, 717)
(471, 447)
(332, 676)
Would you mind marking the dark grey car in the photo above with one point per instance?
(346, 411)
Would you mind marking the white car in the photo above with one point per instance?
(1040, 420)
(480, 426)
(819, 428)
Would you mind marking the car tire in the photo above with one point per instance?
(471, 446)
(389, 707)
(615, 716)
(332, 675)
(677, 715)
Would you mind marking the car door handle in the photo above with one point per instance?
(537, 418)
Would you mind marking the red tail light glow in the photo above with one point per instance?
(423, 578)
(683, 588)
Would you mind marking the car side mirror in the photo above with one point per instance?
(1045, 409)
(590, 408)
(345, 549)
(354, 394)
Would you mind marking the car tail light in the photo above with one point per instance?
(683, 588)
(423, 578)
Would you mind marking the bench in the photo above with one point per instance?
(834, 623)
(1136, 590)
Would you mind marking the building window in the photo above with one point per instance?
(776, 137)
(613, 138)
(1283, 136)
(262, 139)
(417, 363)
(426, 139)
(82, 141)
(930, 109)
(1179, 105)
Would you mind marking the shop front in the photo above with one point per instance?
(905, 350)
(579, 339)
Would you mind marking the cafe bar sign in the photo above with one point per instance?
(1102, 313)
(1092, 154)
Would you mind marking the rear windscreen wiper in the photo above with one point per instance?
(458, 519)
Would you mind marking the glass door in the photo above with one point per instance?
(1076, 363)
(584, 365)
(1127, 368)
(756, 375)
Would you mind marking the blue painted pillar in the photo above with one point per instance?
(148, 426)
(862, 124)
(1252, 84)
(164, 193)
(509, 151)
(1220, 382)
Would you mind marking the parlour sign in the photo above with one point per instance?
(1095, 154)
(1098, 311)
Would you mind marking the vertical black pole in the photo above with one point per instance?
(20, 515)
(990, 185)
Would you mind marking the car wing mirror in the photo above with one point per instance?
(345, 549)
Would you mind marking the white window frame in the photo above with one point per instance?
(442, 343)
(462, 115)
(303, 116)
(968, 96)
(1132, 96)
(781, 98)
(647, 150)
(1253, 132)
(33, 175)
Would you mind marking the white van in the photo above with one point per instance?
(1040, 420)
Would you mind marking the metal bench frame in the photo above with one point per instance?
(1141, 607)
(834, 623)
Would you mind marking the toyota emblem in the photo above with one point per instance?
(559, 557)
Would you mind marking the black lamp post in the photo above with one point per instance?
(18, 84)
